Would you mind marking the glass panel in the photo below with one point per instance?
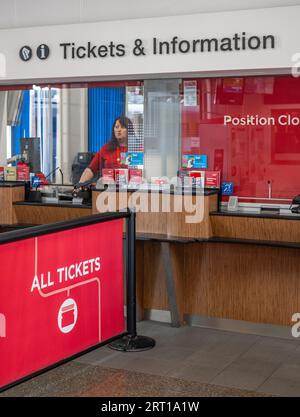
(135, 112)
(186, 125)
(162, 128)
(251, 155)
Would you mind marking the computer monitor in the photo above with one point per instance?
(82, 161)
(31, 153)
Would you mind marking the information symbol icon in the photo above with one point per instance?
(43, 51)
(25, 53)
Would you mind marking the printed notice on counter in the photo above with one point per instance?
(190, 93)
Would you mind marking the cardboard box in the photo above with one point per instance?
(11, 174)
(121, 176)
(23, 173)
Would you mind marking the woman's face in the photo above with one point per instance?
(120, 133)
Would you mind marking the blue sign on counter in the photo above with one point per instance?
(227, 188)
(36, 181)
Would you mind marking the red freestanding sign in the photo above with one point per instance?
(60, 293)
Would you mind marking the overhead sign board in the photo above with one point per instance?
(262, 39)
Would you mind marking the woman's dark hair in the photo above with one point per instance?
(113, 143)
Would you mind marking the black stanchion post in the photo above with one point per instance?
(131, 275)
(131, 342)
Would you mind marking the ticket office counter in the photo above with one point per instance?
(244, 271)
(15, 211)
(229, 266)
(10, 192)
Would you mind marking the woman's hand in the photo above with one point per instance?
(87, 175)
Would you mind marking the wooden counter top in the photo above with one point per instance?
(68, 204)
(11, 184)
(291, 216)
(266, 227)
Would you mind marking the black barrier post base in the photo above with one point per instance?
(131, 342)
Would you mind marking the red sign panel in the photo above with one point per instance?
(61, 293)
(212, 179)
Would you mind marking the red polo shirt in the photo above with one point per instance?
(106, 158)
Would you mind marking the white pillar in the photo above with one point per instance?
(3, 124)
(65, 134)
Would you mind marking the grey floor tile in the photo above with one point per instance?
(288, 372)
(97, 356)
(236, 345)
(280, 387)
(191, 331)
(152, 329)
(293, 357)
(210, 359)
(152, 366)
(283, 344)
(259, 367)
(199, 338)
(271, 350)
(223, 353)
(161, 352)
(193, 372)
(237, 378)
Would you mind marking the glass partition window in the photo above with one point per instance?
(248, 128)
(32, 134)
(44, 122)
(135, 112)
(245, 128)
(162, 128)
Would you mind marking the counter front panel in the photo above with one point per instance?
(164, 214)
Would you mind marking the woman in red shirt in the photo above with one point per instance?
(109, 155)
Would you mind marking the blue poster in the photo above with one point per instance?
(132, 158)
(194, 161)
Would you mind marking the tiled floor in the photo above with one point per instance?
(186, 361)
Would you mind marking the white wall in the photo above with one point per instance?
(27, 13)
(3, 122)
